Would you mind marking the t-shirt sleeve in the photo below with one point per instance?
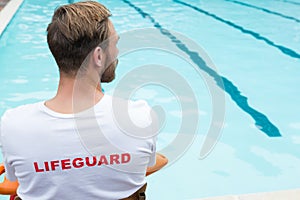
(146, 119)
(155, 130)
(152, 160)
(9, 170)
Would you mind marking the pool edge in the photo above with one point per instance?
(277, 195)
(8, 12)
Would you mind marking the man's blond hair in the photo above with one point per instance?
(75, 30)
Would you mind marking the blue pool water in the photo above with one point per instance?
(255, 46)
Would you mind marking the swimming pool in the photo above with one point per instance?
(255, 47)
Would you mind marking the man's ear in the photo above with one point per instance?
(97, 56)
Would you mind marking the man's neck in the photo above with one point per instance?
(75, 95)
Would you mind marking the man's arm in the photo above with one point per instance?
(161, 161)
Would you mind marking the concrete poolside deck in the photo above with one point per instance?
(3, 3)
(8, 8)
(278, 195)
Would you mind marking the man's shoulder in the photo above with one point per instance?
(131, 104)
(21, 111)
(120, 104)
(132, 113)
(135, 118)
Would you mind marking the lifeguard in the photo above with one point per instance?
(75, 163)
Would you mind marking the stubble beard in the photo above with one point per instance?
(109, 74)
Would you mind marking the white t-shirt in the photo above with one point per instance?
(89, 156)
